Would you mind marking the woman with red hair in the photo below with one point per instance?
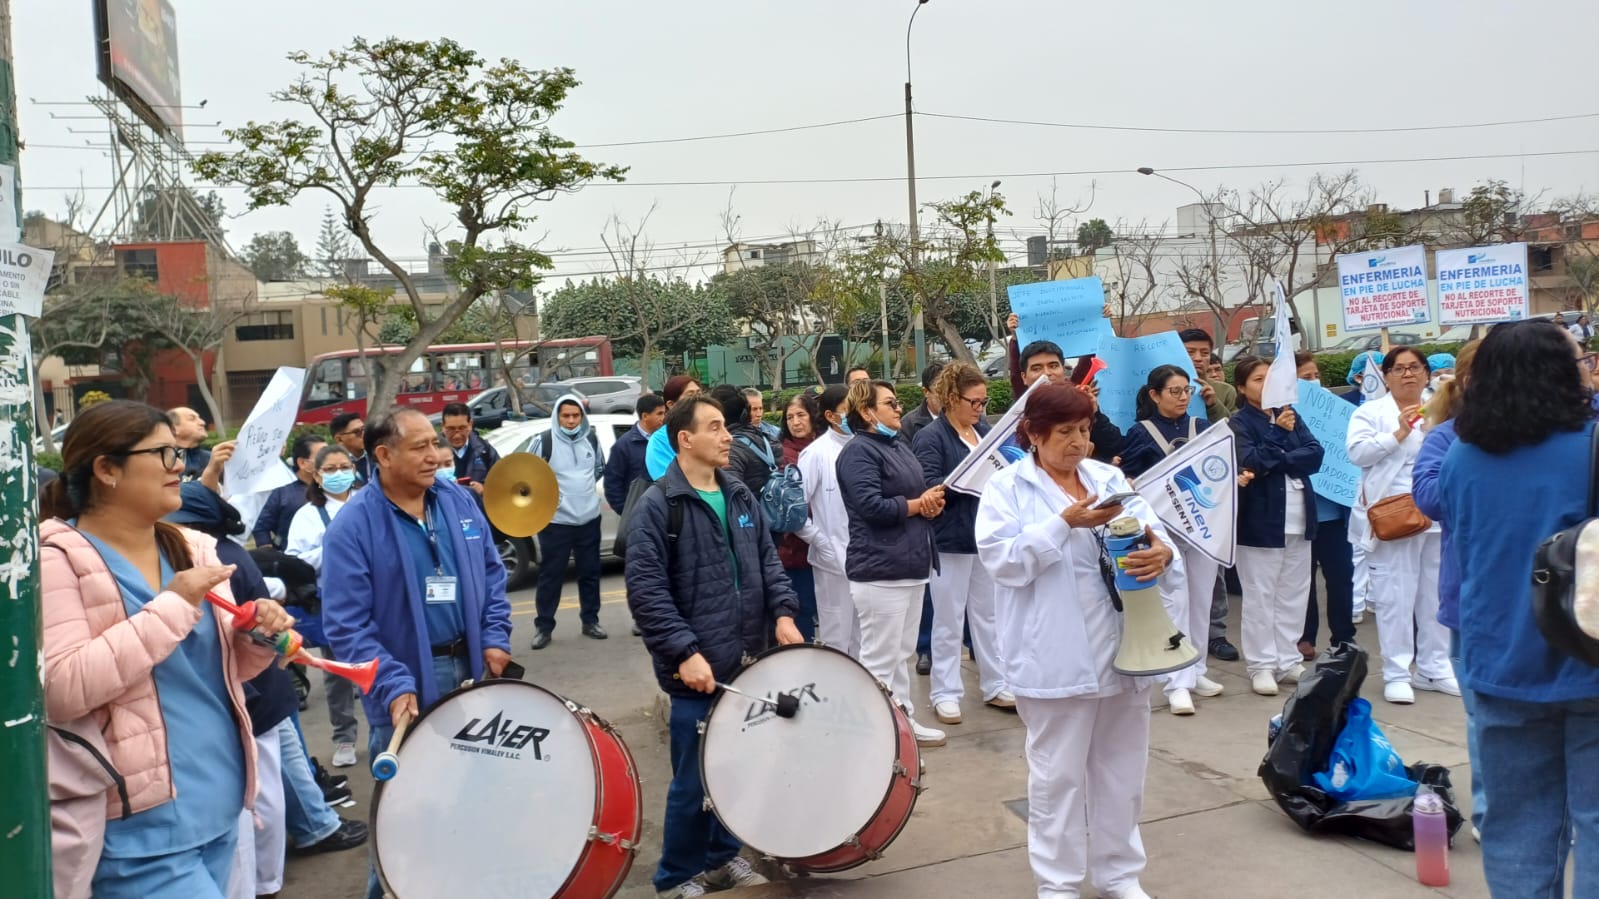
(1087, 726)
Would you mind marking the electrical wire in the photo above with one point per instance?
(732, 134)
(1163, 130)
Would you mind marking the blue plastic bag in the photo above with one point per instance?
(1363, 765)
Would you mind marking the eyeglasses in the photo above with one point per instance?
(1409, 369)
(894, 404)
(1179, 391)
(170, 456)
(1589, 361)
(336, 469)
(978, 404)
(352, 432)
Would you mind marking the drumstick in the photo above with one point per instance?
(387, 764)
(786, 706)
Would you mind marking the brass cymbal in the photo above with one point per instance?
(520, 495)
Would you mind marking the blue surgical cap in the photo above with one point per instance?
(1370, 358)
(1440, 361)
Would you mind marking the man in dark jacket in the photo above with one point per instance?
(626, 462)
(705, 585)
(923, 415)
(1044, 359)
(473, 456)
(272, 524)
(753, 455)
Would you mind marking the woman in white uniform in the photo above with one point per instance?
(1384, 438)
(827, 529)
(335, 478)
(1087, 727)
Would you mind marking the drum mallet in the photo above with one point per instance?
(387, 764)
(786, 705)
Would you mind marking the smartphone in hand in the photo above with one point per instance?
(1115, 499)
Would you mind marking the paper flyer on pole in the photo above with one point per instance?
(1069, 313)
(1482, 285)
(24, 276)
(1383, 288)
(1194, 492)
(257, 464)
(993, 452)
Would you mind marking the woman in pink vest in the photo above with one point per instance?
(152, 757)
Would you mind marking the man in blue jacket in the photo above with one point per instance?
(626, 463)
(411, 576)
(706, 587)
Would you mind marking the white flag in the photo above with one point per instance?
(1282, 379)
(1194, 492)
(994, 452)
(257, 462)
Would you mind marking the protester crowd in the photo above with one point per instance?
(172, 735)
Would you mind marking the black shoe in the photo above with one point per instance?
(637, 632)
(1221, 649)
(595, 631)
(924, 663)
(541, 639)
(349, 835)
(324, 779)
(336, 796)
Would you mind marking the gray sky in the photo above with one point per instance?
(665, 70)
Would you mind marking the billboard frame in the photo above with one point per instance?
(163, 114)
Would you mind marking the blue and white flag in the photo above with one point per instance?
(996, 450)
(1194, 492)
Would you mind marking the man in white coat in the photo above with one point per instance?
(827, 529)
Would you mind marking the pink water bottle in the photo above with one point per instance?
(1432, 839)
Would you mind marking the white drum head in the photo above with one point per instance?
(494, 797)
(795, 787)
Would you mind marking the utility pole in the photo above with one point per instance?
(25, 813)
(917, 323)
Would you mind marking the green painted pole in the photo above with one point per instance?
(24, 792)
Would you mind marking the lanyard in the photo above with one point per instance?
(433, 541)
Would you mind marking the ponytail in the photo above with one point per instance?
(174, 545)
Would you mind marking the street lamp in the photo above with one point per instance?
(1215, 260)
(993, 291)
(910, 184)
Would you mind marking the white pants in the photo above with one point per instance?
(258, 853)
(890, 618)
(1404, 590)
(836, 622)
(1189, 609)
(1362, 586)
(1085, 788)
(1276, 586)
(963, 593)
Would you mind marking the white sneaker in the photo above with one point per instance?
(1204, 686)
(344, 754)
(1264, 683)
(1436, 684)
(927, 736)
(1398, 693)
(1293, 674)
(1359, 617)
(736, 873)
(688, 889)
(947, 712)
(1181, 703)
(1004, 699)
(1133, 892)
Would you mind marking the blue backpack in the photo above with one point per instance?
(782, 500)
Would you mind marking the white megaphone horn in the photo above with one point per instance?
(1150, 644)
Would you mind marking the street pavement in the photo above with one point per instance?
(1209, 828)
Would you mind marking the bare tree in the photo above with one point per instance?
(654, 316)
(197, 330)
(1132, 277)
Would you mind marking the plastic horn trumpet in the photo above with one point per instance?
(387, 764)
(291, 646)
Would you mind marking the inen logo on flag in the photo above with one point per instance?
(1188, 482)
(1194, 493)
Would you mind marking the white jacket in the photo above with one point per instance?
(827, 530)
(1057, 629)
(1384, 462)
(306, 530)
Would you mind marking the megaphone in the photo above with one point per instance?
(1151, 644)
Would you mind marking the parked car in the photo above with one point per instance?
(492, 407)
(521, 554)
(1360, 343)
(617, 394)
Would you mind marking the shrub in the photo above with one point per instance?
(51, 461)
(93, 398)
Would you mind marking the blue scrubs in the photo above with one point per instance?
(433, 556)
(183, 848)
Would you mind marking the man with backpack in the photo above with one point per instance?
(757, 460)
(573, 451)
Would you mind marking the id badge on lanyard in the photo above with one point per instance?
(440, 587)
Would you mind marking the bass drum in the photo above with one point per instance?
(826, 790)
(449, 823)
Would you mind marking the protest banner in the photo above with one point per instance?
(1128, 362)
(1482, 285)
(24, 275)
(1194, 492)
(1383, 288)
(993, 452)
(257, 462)
(1068, 313)
(1327, 416)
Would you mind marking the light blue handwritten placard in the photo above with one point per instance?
(1327, 416)
(1128, 362)
(1069, 313)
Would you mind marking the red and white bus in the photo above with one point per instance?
(336, 383)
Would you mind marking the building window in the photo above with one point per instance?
(140, 264)
(265, 326)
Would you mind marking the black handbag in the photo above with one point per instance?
(1565, 579)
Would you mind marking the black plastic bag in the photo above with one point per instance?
(1312, 719)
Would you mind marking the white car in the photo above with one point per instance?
(521, 554)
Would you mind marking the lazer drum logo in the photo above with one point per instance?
(760, 712)
(500, 737)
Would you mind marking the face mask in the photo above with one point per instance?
(886, 431)
(572, 432)
(444, 475)
(338, 482)
(843, 425)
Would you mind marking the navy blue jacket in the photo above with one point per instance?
(686, 597)
(277, 513)
(1140, 452)
(939, 449)
(625, 465)
(877, 477)
(476, 461)
(269, 697)
(1274, 455)
(372, 605)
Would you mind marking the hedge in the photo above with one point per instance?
(910, 396)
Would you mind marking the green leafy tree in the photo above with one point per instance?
(1093, 234)
(775, 301)
(274, 256)
(474, 133)
(676, 316)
